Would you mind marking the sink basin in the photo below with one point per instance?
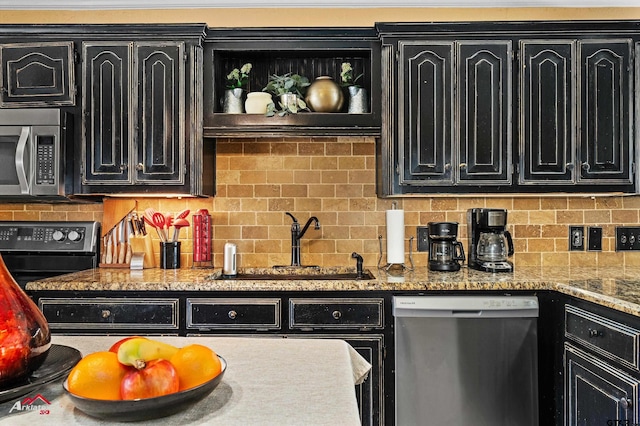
(289, 273)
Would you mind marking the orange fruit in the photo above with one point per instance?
(97, 376)
(195, 365)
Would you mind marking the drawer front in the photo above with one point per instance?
(335, 313)
(610, 338)
(110, 313)
(233, 313)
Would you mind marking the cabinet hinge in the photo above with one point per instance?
(185, 57)
(81, 170)
(633, 168)
(397, 55)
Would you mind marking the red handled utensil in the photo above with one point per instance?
(177, 224)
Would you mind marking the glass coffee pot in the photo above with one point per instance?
(494, 246)
(444, 251)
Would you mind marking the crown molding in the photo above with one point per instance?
(192, 4)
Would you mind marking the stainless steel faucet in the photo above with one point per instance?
(296, 236)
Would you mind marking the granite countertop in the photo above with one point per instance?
(618, 288)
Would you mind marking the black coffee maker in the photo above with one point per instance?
(489, 241)
(444, 251)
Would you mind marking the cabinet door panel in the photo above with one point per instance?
(37, 74)
(426, 70)
(546, 105)
(597, 393)
(106, 105)
(160, 136)
(484, 105)
(605, 115)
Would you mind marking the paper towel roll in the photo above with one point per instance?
(395, 236)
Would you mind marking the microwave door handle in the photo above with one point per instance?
(21, 160)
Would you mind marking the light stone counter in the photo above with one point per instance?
(618, 288)
(268, 381)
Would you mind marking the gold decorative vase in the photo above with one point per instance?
(324, 95)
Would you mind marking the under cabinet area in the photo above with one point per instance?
(498, 107)
(601, 367)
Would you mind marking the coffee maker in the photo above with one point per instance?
(444, 250)
(489, 241)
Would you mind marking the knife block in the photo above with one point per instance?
(144, 245)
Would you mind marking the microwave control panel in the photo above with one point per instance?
(45, 160)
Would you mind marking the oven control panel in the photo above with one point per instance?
(49, 236)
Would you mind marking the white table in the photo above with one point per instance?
(269, 381)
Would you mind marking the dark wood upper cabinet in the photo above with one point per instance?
(484, 105)
(37, 74)
(547, 145)
(457, 93)
(160, 129)
(106, 88)
(606, 75)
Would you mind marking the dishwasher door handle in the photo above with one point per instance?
(466, 313)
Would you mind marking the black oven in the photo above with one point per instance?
(37, 250)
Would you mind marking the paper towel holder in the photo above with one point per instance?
(402, 266)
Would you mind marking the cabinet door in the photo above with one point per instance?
(597, 393)
(37, 74)
(547, 102)
(160, 136)
(483, 101)
(605, 115)
(426, 92)
(106, 88)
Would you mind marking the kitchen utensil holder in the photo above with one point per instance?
(170, 255)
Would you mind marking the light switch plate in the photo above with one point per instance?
(595, 238)
(576, 238)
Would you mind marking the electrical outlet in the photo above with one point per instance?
(423, 238)
(595, 238)
(576, 238)
(627, 238)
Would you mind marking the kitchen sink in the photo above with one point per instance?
(288, 273)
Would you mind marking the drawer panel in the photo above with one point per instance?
(110, 313)
(233, 313)
(335, 313)
(610, 338)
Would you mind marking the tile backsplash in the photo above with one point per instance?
(333, 178)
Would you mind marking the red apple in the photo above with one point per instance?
(157, 378)
(116, 345)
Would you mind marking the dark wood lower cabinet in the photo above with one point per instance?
(362, 320)
(597, 393)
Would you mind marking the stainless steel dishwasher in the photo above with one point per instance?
(466, 360)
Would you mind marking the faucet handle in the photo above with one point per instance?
(292, 217)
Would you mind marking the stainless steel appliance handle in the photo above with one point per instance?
(21, 160)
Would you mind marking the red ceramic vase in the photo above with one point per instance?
(24, 332)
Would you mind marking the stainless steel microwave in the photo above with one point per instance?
(32, 153)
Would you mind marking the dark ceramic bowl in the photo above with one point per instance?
(145, 409)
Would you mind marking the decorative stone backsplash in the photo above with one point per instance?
(334, 179)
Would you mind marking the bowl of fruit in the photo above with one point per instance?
(140, 379)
